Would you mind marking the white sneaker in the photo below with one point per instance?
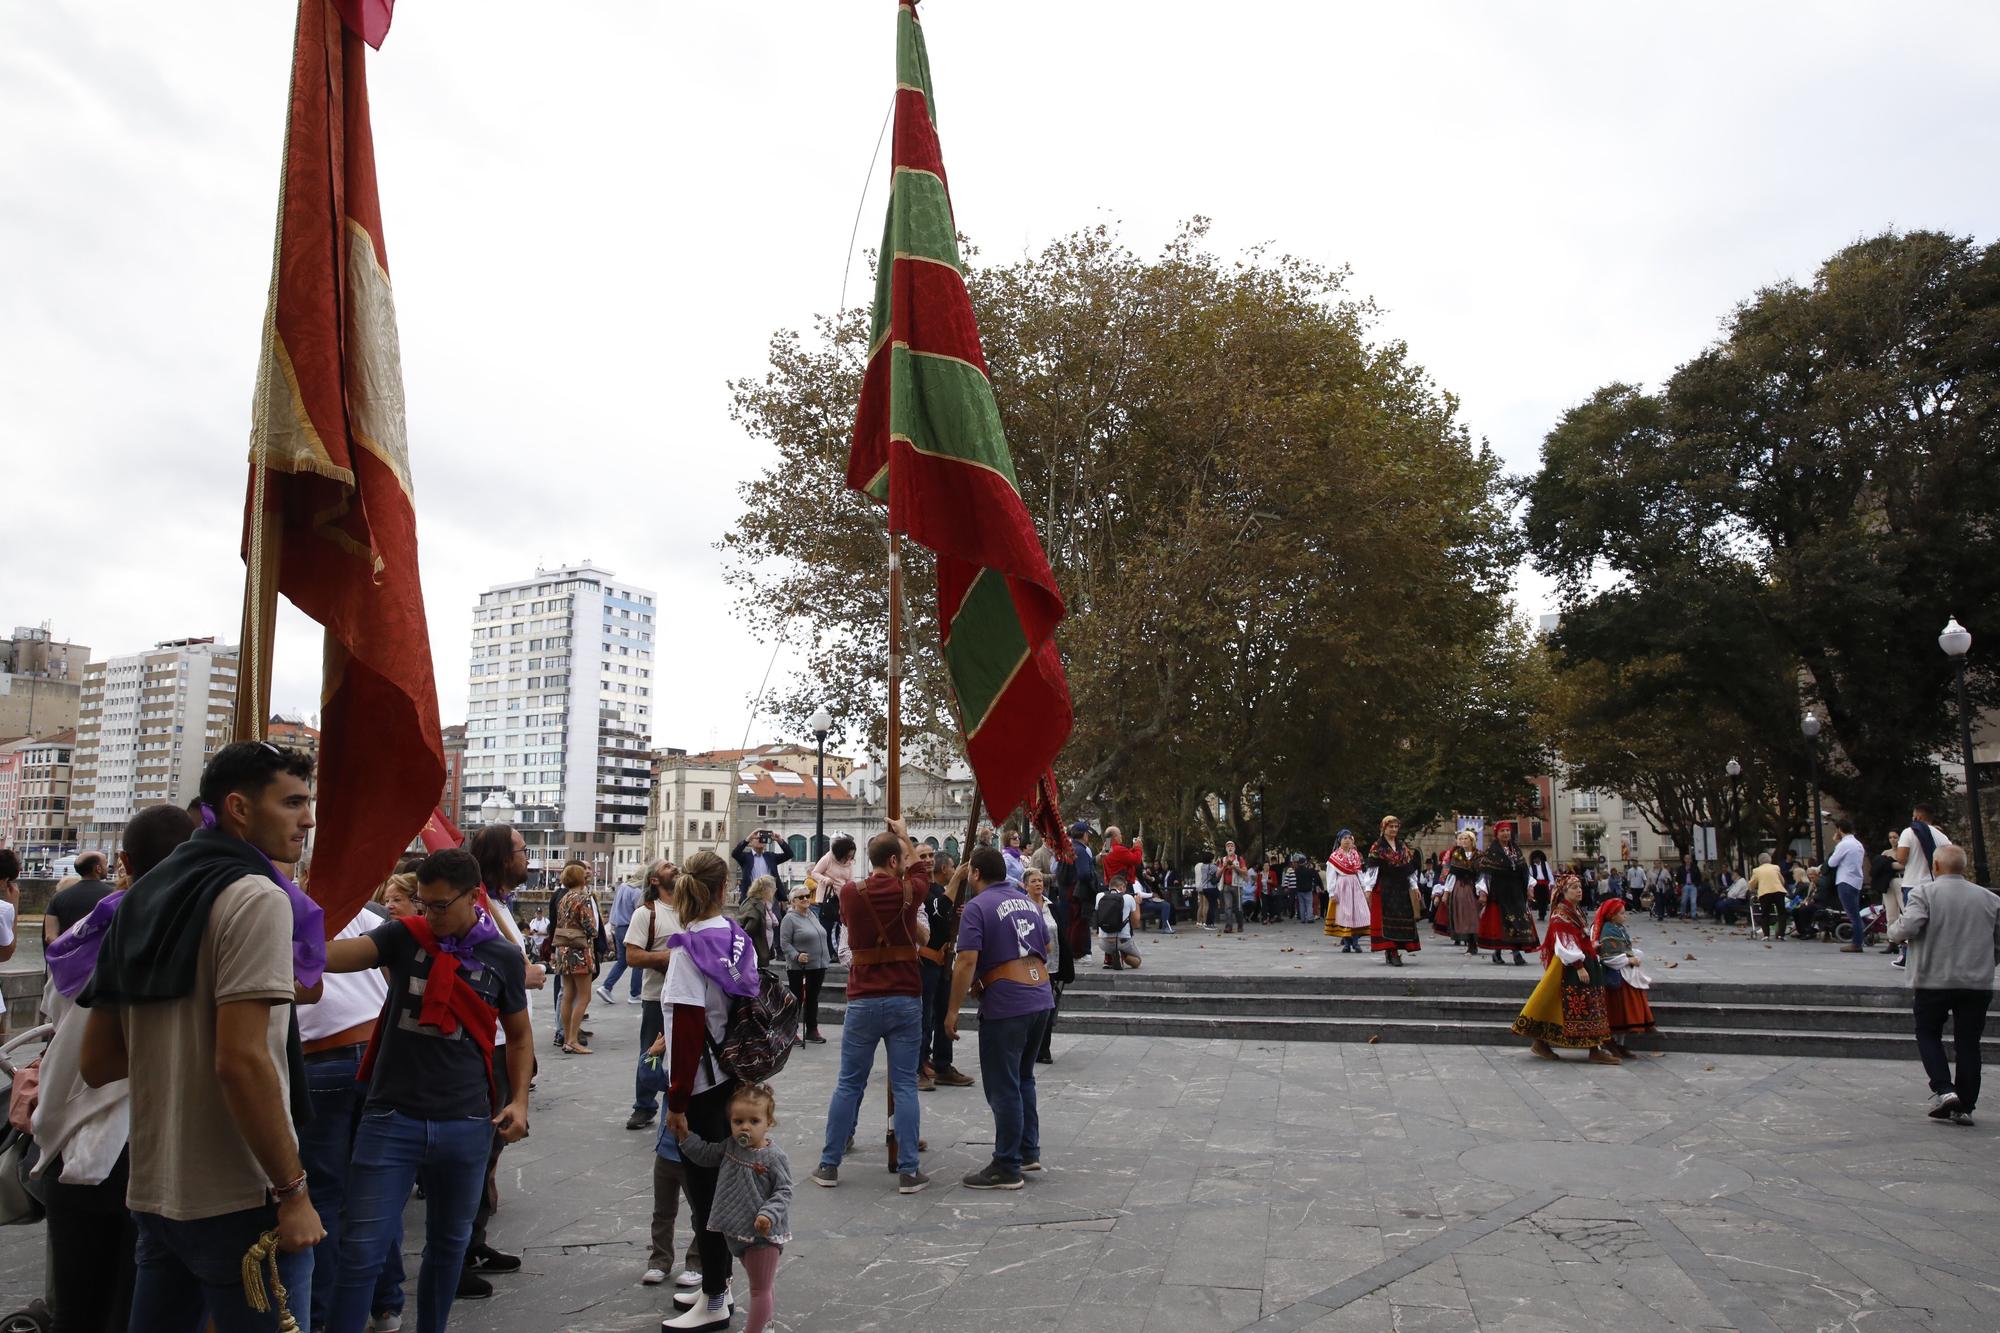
(697, 1316)
(687, 1277)
(605, 992)
(653, 1277)
(630, 998)
(386, 1323)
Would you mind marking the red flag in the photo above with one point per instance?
(440, 834)
(928, 441)
(370, 18)
(330, 502)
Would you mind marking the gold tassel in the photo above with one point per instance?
(262, 1255)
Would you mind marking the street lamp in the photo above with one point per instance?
(1735, 772)
(1957, 642)
(1810, 726)
(819, 724)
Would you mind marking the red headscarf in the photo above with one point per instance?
(1604, 911)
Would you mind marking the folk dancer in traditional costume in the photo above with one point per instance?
(1346, 900)
(1567, 1008)
(1506, 922)
(1460, 868)
(1392, 911)
(1626, 1008)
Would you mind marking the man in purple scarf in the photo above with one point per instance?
(191, 998)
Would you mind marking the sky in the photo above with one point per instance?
(598, 213)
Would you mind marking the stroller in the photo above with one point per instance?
(20, 1198)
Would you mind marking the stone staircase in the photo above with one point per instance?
(1854, 1022)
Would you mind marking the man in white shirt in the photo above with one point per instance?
(1849, 863)
(1914, 853)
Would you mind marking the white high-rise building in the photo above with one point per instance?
(146, 724)
(559, 716)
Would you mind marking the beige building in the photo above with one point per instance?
(691, 807)
(45, 825)
(148, 724)
(41, 682)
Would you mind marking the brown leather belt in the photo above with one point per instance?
(883, 953)
(1029, 971)
(939, 956)
(357, 1035)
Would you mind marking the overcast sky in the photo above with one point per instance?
(598, 212)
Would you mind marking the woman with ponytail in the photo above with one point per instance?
(713, 964)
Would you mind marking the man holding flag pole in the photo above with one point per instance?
(928, 443)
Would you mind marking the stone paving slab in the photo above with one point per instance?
(1220, 1185)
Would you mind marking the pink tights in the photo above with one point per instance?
(761, 1263)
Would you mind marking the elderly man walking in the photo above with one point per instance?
(1003, 943)
(1951, 927)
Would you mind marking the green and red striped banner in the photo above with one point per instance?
(928, 442)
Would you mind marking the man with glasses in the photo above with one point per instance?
(435, 1098)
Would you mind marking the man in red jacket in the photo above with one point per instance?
(1118, 859)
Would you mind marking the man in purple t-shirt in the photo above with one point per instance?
(1003, 943)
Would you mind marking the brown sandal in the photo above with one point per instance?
(1542, 1050)
(1600, 1056)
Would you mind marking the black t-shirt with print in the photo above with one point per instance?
(418, 1070)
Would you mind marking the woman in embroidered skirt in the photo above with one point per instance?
(1346, 900)
(1567, 1008)
(1626, 1008)
(1392, 913)
(1506, 923)
(1461, 878)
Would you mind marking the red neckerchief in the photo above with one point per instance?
(449, 1006)
(1347, 863)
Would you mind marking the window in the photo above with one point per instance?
(707, 798)
(691, 828)
(707, 832)
(798, 845)
(1584, 802)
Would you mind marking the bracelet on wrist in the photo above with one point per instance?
(280, 1193)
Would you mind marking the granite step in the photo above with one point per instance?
(1818, 1042)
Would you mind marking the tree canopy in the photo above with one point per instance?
(1788, 523)
(1284, 559)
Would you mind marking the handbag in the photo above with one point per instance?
(17, 1157)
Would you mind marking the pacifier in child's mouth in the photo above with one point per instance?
(742, 1140)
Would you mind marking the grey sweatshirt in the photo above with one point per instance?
(801, 933)
(1953, 927)
(750, 1182)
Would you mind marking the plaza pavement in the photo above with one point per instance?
(1222, 1185)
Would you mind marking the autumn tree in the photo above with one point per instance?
(1284, 559)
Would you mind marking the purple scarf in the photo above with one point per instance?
(73, 956)
(725, 957)
(461, 946)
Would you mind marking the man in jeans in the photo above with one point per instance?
(623, 904)
(191, 998)
(431, 1111)
(1003, 943)
(1952, 929)
(884, 1001)
(1849, 863)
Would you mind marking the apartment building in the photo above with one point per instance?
(148, 724)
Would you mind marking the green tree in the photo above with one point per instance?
(1281, 553)
(1792, 519)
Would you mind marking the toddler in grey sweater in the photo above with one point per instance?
(752, 1209)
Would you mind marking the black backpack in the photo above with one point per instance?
(1112, 912)
(760, 1033)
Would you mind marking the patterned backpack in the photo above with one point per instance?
(760, 1033)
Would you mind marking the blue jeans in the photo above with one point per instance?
(1850, 903)
(188, 1269)
(325, 1146)
(1007, 1051)
(897, 1021)
(1688, 892)
(619, 967)
(392, 1152)
(652, 1022)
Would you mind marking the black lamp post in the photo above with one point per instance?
(1810, 726)
(820, 723)
(1957, 642)
(1735, 772)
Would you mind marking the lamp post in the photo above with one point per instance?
(820, 723)
(1957, 642)
(1809, 725)
(1735, 772)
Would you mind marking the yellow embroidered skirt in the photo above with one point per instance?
(1564, 1011)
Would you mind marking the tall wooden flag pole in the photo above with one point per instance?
(330, 519)
(892, 790)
